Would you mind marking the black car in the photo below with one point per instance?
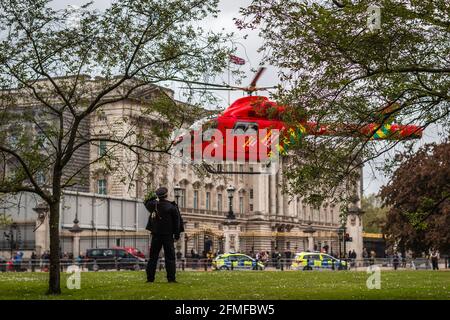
(98, 259)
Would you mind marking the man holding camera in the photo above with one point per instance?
(165, 224)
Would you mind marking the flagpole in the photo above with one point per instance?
(229, 92)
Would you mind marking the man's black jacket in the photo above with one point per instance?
(164, 216)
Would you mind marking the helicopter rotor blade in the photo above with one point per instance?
(219, 89)
(256, 77)
(265, 88)
(203, 83)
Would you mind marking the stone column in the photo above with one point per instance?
(259, 233)
(354, 230)
(230, 232)
(309, 231)
(76, 245)
(42, 237)
(310, 242)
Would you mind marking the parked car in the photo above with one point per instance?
(112, 258)
(317, 260)
(134, 251)
(237, 261)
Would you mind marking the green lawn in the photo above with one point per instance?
(235, 285)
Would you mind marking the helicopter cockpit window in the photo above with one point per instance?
(252, 128)
(245, 128)
(207, 134)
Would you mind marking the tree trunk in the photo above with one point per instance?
(54, 279)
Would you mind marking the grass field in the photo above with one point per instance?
(234, 285)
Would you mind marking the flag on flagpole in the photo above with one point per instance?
(237, 60)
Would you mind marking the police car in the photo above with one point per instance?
(236, 261)
(317, 260)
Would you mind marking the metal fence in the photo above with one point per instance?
(202, 264)
(18, 245)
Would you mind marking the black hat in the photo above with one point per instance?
(162, 192)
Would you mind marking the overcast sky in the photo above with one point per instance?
(247, 49)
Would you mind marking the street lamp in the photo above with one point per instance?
(230, 191)
(341, 232)
(41, 209)
(177, 191)
(76, 227)
(13, 237)
(75, 230)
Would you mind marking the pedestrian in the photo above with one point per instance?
(18, 261)
(278, 259)
(396, 261)
(435, 260)
(365, 255)
(353, 256)
(79, 261)
(288, 255)
(372, 257)
(210, 256)
(44, 261)
(33, 261)
(165, 224)
(274, 258)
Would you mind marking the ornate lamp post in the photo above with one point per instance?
(41, 236)
(76, 227)
(75, 230)
(231, 233)
(341, 232)
(230, 191)
(177, 191)
(41, 209)
(13, 237)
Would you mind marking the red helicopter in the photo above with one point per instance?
(252, 129)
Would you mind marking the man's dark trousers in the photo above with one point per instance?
(161, 241)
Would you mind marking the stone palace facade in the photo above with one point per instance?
(109, 206)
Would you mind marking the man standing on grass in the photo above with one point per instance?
(165, 225)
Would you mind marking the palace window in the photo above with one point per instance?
(195, 199)
(241, 204)
(101, 148)
(219, 202)
(183, 198)
(101, 186)
(208, 200)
